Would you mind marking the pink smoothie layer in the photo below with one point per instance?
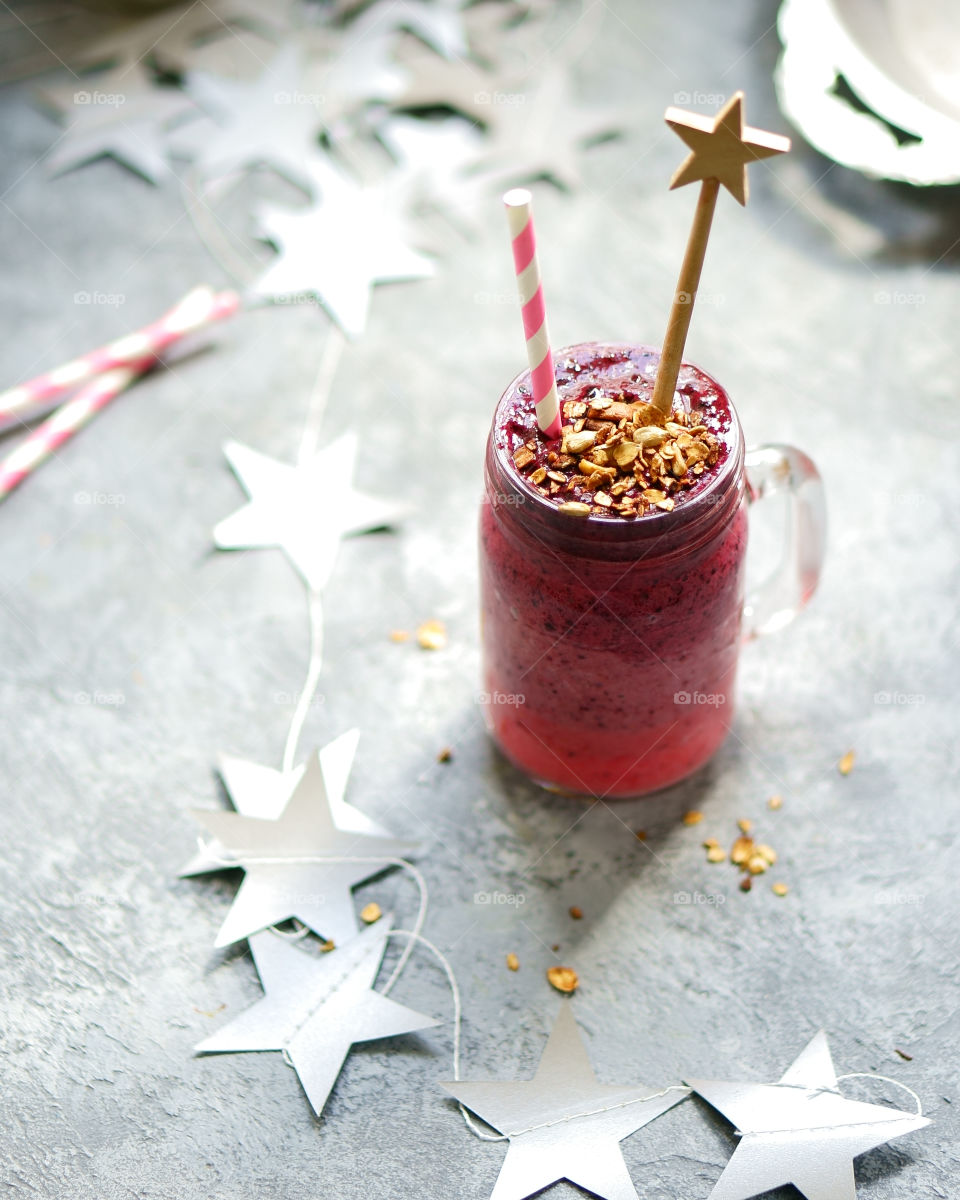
(610, 654)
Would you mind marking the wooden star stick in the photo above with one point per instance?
(720, 148)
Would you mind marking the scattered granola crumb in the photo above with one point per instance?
(775, 802)
(716, 854)
(445, 755)
(903, 1054)
(641, 835)
(555, 947)
(371, 912)
(513, 963)
(845, 765)
(757, 864)
(399, 635)
(326, 947)
(432, 635)
(564, 979)
(692, 817)
(780, 889)
(766, 852)
(746, 884)
(709, 843)
(744, 825)
(576, 912)
(742, 851)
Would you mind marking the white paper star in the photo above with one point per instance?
(432, 158)
(304, 510)
(349, 69)
(562, 1124)
(278, 883)
(316, 1008)
(273, 120)
(259, 791)
(438, 24)
(800, 1130)
(121, 113)
(338, 248)
(541, 133)
(167, 35)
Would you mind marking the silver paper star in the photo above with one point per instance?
(168, 35)
(438, 25)
(338, 248)
(432, 158)
(272, 120)
(349, 69)
(121, 113)
(259, 791)
(316, 1008)
(305, 510)
(278, 884)
(541, 133)
(562, 1124)
(800, 1130)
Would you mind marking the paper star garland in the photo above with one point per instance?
(119, 113)
(721, 146)
(278, 884)
(259, 791)
(800, 1130)
(317, 1008)
(562, 1124)
(273, 120)
(339, 248)
(305, 510)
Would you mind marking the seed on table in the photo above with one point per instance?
(564, 979)
(780, 889)
(692, 817)
(513, 963)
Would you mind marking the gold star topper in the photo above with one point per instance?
(722, 146)
(720, 149)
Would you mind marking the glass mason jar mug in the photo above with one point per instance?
(610, 645)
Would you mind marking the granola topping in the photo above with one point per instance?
(618, 456)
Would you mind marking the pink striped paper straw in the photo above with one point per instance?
(199, 307)
(518, 203)
(71, 417)
(47, 438)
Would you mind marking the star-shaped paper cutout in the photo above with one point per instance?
(339, 248)
(722, 146)
(438, 25)
(120, 113)
(433, 157)
(349, 69)
(278, 884)
(317, 1008)
(259, 791)
(541, 133)
(563, 1124)
(273, 120)
(305, 510)
(167, 35)
(800, 1130)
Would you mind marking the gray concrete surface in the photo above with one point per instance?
(132, 653)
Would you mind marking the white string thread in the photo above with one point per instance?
(828, 1091)
(310, 684)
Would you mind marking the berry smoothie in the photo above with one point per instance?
(612, 575)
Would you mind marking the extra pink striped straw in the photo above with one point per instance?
(29, 400)
(204, 306)
(518, 203)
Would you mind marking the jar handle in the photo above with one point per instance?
(770, 470)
